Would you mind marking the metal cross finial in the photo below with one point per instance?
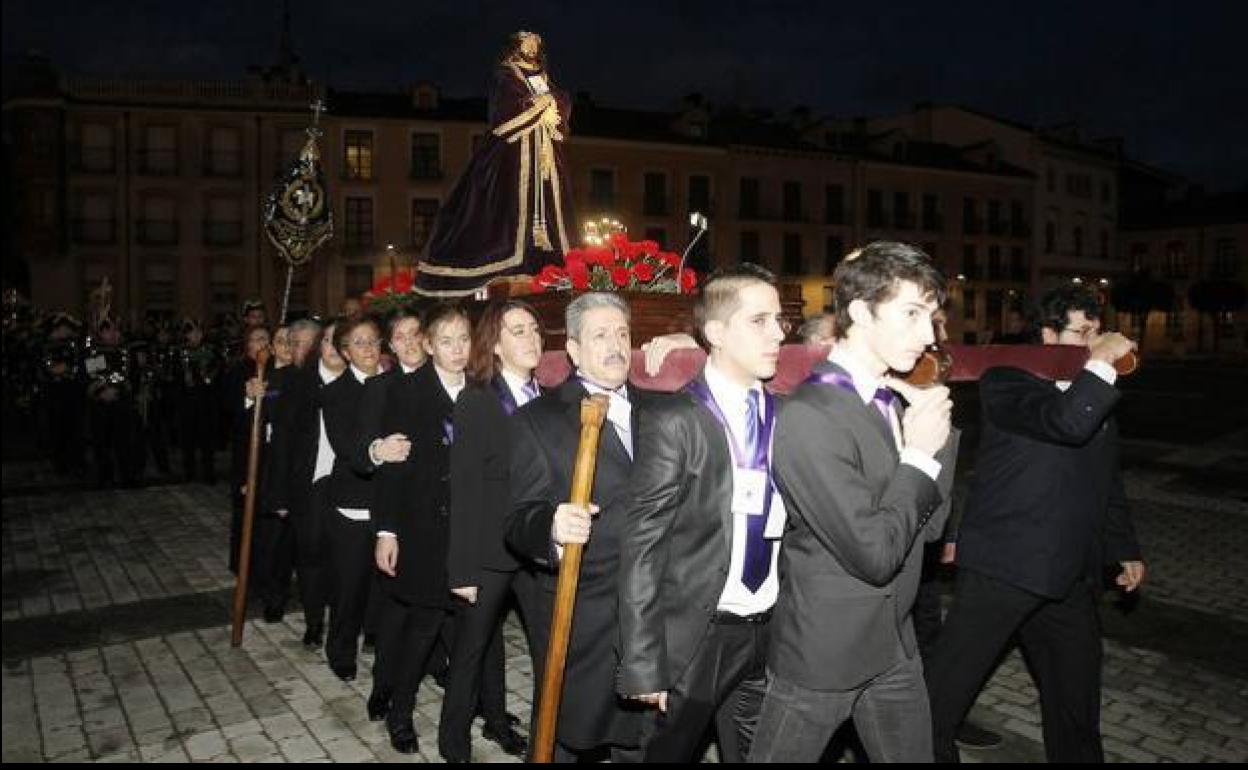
(317, 107)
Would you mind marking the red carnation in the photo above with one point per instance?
(617, 239)
(688, 280)
(650, 247)
(599, 255)
(620, 276)
(550, 274)
(578, 273)
(644, 271)
(671, 258)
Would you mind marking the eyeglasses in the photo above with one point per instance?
(365, 343)
(1084, 333)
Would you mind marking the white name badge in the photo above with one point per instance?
(749, 492)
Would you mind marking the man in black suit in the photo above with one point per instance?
(699, 561)
(1047, 513)
(863, 487)
(546, 432)
(300, 461)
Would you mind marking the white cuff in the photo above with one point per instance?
(372, 454)
(1103, 370)
(248, 402)
(924, 462)
(386, 533)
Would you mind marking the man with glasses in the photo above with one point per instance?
(1046, 514)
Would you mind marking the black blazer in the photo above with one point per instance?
(480, 492)
(413, 497)
(545, 435)
(1047, 506)
(678, 542)
(340, 405)
(368, 424)
(295, 418)
(238, 416)
(850, 560)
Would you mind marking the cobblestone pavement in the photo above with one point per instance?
(116, 645)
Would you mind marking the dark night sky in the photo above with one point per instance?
(1169, 76)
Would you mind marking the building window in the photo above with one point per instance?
(1050, 179)
(160, 285)
(1176, 260)
(1050, 237)
(834, 204)
(95, 222)
(1225, 258)
(792, 201)
(994, 304)
(1107, 191)
(1018, 264)
(1174, 320)
(968, 304)
(1104, 244)
(793, 254)
(358, 280)
(902, 216)
(224, 154)
(970, 262)
(1077, 240)
(602, 189)
(749, 199)
(1079, 185)
(222, 289)
(358, 227)
(357, 160)
(971, 223)
(931, 213)
(159, 156)
(1226, 324)
(1139, 257)
(426, 156)
(750, 247)
(700, 193)
(424, 213)
(875, 209)
(97, 152)
(224, 223)
(996, 224)
(654, 194)
(1018, 226)
(159, 224)
(994, 263)
(833, 250)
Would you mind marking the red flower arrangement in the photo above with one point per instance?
(618, 265)
(390, 291)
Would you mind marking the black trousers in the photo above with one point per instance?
(274, 559)
(64, 404)
(724, 684)
(309, 519)
(405, 637)
(114, 439)
(477, 669)
(352, 555)
(1061, 641)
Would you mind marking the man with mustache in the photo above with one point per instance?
(545, 435)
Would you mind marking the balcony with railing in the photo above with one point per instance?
(94, 160)
(223, 233)
(156, 232)
(95, 231)
(223, 164)
(158, 162)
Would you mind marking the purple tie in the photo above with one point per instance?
(883, 400)
(757, 548)
(530, 390)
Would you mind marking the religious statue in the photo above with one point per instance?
(511, 212)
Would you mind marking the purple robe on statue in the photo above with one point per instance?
(511, 211)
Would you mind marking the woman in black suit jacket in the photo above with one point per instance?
(412, 506)
(506, 348)
(351, 493)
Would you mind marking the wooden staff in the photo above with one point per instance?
(593, 412)
(249, 511)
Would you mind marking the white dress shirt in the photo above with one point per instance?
(736, 598)
(324, 452)
(1101, 369)
(516, 386)
(619, 412)
(866, 384)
